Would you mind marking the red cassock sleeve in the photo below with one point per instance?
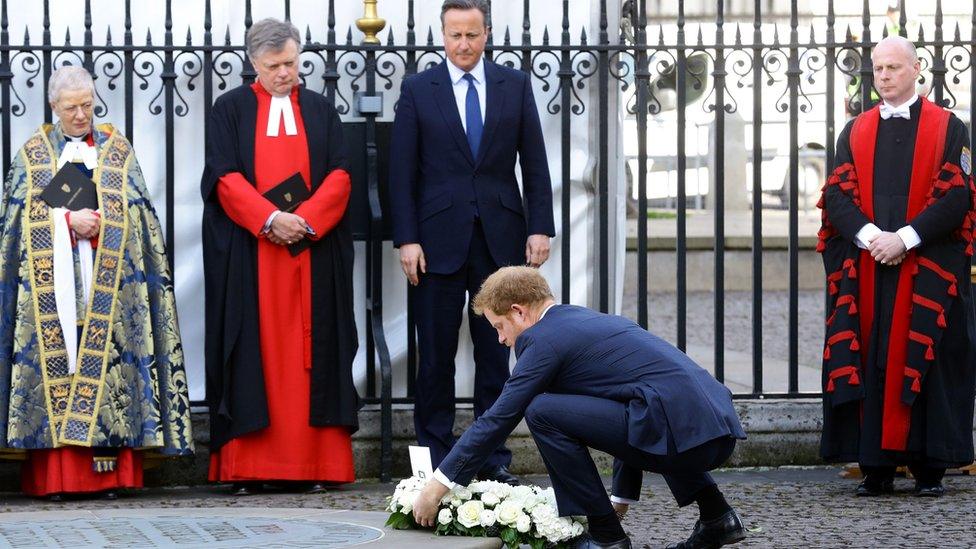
(243, 203)
(324, 209)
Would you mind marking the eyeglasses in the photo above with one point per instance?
(73, 109)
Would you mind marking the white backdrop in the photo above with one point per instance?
(68, 15)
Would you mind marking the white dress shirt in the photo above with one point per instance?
(907, 234)
(461, 88)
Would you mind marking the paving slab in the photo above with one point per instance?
(215, 528)
(782, 507)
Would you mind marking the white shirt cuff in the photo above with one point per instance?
(864, 236)
(909, 236)
(442, 478)
(267, 224)
(625, 501)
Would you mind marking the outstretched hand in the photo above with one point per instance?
(427, 504)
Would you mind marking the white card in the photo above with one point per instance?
(420, 462)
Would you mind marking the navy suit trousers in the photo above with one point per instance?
(439, 305)
(564, 426)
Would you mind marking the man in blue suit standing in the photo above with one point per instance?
(589, 380)
(458, 215)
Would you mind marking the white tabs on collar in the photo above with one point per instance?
(78, 150)
(281, 108)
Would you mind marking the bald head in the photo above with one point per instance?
(896, 69)
(897, 44)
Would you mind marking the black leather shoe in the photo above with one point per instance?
(56, 498)
(317, 488)
(869, 487)
(933, 491)
(725, 530)
(499, 474)
(586, 542)
(243, 489)
(110, 495)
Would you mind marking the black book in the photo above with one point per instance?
(286, 196)
(70, 189)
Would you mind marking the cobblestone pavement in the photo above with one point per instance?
(784, 507)
(663, 321)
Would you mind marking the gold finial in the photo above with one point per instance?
(370, 23)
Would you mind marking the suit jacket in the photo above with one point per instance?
(672, 403)
(437, 187)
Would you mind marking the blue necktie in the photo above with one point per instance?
(472, 116)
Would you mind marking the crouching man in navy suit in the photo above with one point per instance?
(589, 380)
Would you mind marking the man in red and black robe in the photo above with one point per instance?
(280, 335)
(898, 213)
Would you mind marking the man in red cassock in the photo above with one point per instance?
(281, 335)
(898, 210)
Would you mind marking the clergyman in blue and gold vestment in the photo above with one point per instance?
(92, 381)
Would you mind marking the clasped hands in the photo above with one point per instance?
(85, 223)
(887, 248)
(287, 228)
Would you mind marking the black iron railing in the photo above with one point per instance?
(631, 66)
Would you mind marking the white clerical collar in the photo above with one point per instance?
(76, 148)
(457, 73)
(546, 310)
(281, 109)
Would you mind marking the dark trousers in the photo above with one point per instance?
(565, 426)
(925, 474)
(439, 305)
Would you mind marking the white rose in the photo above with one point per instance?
(463, 493)
(456, 502)
(521, 493)
(500, 489)
(523, 523)
(406, 501)
(490, 499)
(469, 513)
(488, 518)
(445, 516)
(477, 487)
(543, 512)
(508, 512)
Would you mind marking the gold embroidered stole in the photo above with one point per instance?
(73, 400)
